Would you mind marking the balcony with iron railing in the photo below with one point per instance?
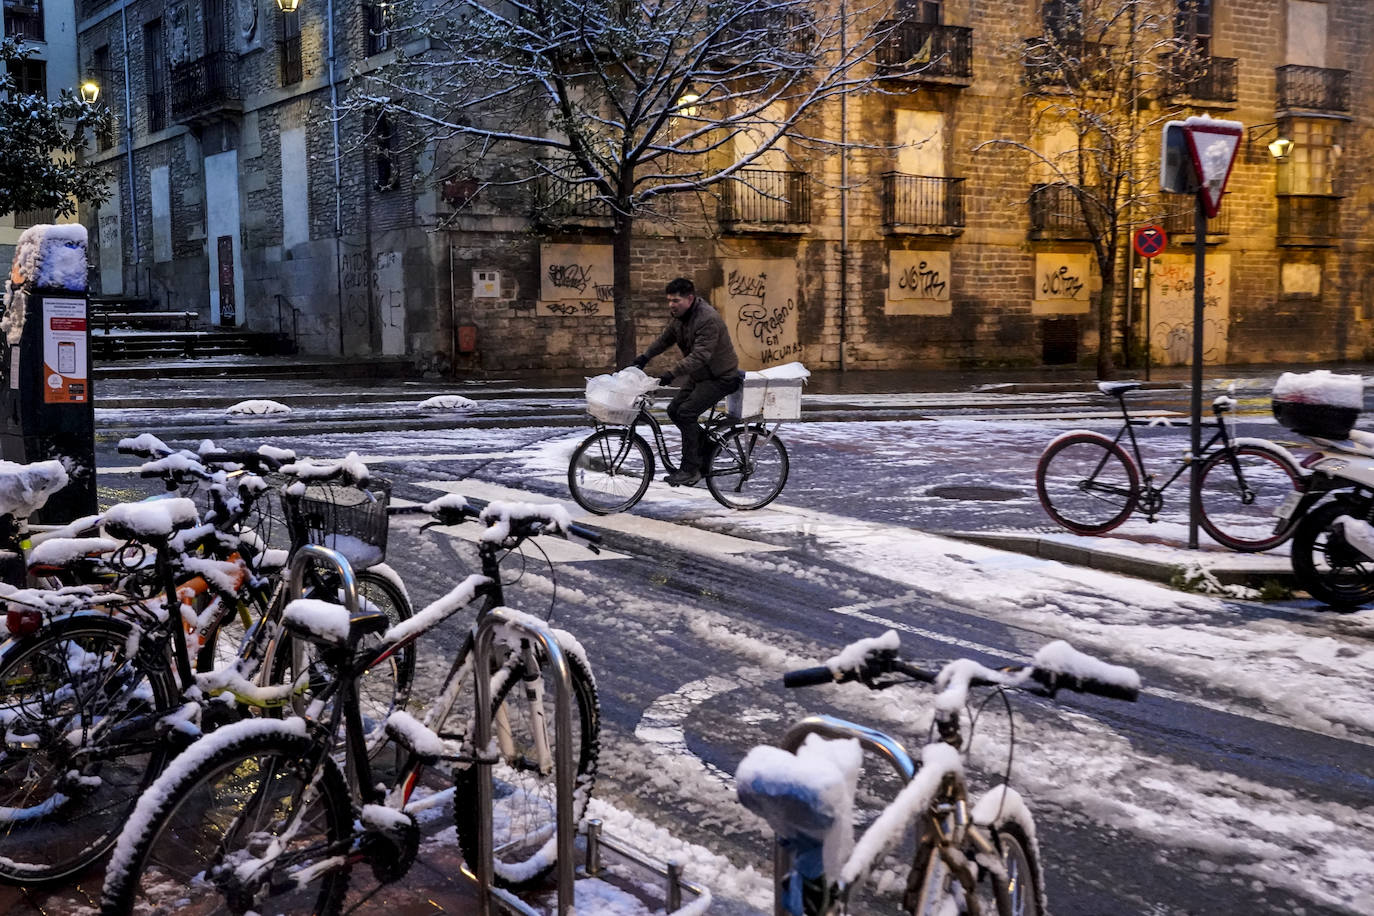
(207, 88)
(1315, 88)
(784, 29)
(1180, 224)
(1202, 79)
(1308, 220)
(923, 204)
(1068, 64)
(42, 216)
(1056, 212)
(563, 198)
(764, 198)
(924, 52)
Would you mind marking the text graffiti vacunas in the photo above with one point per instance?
(759, 304)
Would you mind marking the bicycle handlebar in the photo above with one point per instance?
(529, 521)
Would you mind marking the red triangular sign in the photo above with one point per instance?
(1212, 145)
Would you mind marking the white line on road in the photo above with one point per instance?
(370, 459)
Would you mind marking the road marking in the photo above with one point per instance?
(370, 459)
(682, 537)
(663, 722)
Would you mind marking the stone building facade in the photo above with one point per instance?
(922, 247)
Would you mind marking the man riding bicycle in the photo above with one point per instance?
(707, 372)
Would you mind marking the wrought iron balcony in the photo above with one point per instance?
(24, 20)
(1313, 87)
(1181, 223)
(560, 199)
(922, 51)
(1308, 220)
(206, 88)
(1068, 64)
(1205, 79)
(1056, 213)
(784, 29)
(922, 201)
(762, 196)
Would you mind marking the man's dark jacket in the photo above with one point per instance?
(700, 334)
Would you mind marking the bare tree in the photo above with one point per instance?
(624, 104)
(1094, 78)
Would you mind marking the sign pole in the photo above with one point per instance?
(1149, 295)
(1199, 279)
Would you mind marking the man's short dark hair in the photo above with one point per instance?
(681, 287)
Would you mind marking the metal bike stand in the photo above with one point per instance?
(562, 755)
(670, 872)
(831, 727)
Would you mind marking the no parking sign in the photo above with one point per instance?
(1149, 241)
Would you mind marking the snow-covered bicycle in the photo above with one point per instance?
(972, 858)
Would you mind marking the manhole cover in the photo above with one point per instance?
(989, 494)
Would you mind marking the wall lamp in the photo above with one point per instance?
(89, 89)
(1279, 147)
(288, 6)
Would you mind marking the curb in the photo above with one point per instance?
(1161, 571)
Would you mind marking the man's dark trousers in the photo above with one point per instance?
(690, 403)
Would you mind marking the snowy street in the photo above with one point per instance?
(1242, 782)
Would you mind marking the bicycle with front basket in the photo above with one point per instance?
(744, 462)
(1249, 487)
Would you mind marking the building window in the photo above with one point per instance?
(378, 18)
(1310, 165)
(30, 77)
(384, 149)
(1063, 19)
(1193, 25)
(925, 11)
(101, 73)
(43, 216)
(24, 20)
(290, 48)
(155, 76)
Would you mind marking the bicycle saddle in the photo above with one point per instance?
(151, 520)
(1117, 389)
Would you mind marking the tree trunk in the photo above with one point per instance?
(626, 346)
(1106, 367)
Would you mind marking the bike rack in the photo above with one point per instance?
(830, 727)
(596, 841)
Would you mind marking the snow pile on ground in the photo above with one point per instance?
(447, 402)
(256, 407)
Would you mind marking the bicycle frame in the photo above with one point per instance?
(716, 425)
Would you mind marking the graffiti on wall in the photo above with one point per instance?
(758, 301)
(373, 284)
(575, 281)
(1171, 309)
(1061, 283)
(918, 283)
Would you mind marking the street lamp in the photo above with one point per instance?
(288, 6)
(90, 91)
(1280, 148)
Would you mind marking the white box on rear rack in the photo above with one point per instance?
(775, 399)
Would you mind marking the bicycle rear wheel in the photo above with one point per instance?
(748, 469)
(1087, 483)
(524, 814)
(610, 471)
(1241, 501)
(244, 824)
(80, 719)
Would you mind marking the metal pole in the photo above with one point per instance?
(1199, 278)
(129, 143)
(844, 196)
(1149, 296)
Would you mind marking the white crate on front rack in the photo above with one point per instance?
(775, 399)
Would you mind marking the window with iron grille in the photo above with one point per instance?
(155, 75)
(24, 20)
(384, 159)
(290, 48)
(378, 18)
(42, 216)
(30, 77)
(1309, 168)
(1193, 25)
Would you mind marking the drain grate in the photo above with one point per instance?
(986, 494)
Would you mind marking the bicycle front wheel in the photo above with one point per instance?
(1087, 483)
(1243, 491)
(524, 781)
(748, 469)
(244, 824)
(80, 715)
(610, 471)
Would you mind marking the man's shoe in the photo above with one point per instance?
(683, 478)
